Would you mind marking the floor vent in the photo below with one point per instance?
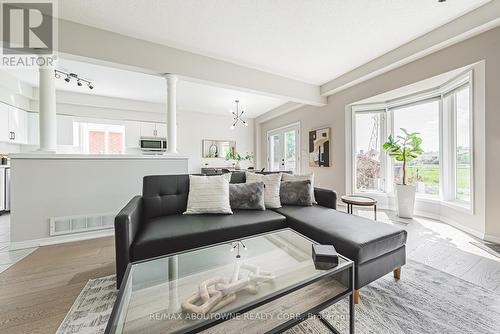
(77, 224)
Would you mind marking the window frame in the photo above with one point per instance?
(452, 191)
(447, 140)
(423, 100)
(106, 128)
(383, 160)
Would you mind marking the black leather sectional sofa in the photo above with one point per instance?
(153, 225)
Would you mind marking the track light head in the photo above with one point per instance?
(90, 86)
(67, 79)
(79, 83)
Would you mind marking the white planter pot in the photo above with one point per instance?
(405, 200)
(237, 166)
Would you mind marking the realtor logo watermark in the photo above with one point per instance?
(28, 33)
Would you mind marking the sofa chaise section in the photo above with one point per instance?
(376, 248)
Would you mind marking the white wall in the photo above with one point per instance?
(484, 47)
(193, 127)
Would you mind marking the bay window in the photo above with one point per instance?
(443, 119)
(424, 172)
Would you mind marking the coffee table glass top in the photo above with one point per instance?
(160, 292)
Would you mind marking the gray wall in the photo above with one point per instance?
(485, 46)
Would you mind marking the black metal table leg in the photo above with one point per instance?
(375, 211)
(351, 304)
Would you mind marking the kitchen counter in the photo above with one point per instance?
(46, 156)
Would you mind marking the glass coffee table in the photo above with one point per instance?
(266, 283)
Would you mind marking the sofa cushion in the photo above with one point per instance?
(357, 238)
(208, 195)
(247, 196)
(272, 184)
(296, 193)
(169, 234)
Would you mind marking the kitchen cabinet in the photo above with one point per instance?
(132, 134)
(161, 129)
(151, 129)
(148, 129)
(4, 122)
(18, 124)
(64, 130)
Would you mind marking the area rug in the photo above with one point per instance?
(425, 300)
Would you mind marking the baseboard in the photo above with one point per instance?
(492, 238)
(60, 239)
(464, 228)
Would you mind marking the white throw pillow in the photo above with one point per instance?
(272, 184)
(304, 177)
(208, 194)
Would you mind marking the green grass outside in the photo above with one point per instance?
(429, 174)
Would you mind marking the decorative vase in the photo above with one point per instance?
(405, 199)
(237, 166)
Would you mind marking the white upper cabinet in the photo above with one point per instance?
(132, 134)
(4, 122)
(148, 129)
(18, 125)
(161, 129)
(64, 130)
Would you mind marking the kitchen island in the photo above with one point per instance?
(64, 197)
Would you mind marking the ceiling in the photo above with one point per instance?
(113, 82)
(312, 41)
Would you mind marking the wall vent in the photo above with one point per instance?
(78, 224)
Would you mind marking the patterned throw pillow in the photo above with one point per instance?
(247, 196)
(272, 188)
(296, 193)
(208, 194)
(293, 177)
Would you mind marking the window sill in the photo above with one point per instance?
(452, 204)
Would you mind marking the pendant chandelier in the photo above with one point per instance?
(237, 115)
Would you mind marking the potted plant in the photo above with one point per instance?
(237, 158)
(404, 149)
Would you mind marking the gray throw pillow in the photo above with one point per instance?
(296, 193)
(247, 196)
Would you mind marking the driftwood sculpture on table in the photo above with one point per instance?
(217, 292)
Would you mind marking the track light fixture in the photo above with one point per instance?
(69, 76)
(237, 115)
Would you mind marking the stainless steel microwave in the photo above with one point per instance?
(153, 144)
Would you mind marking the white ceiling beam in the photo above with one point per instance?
(278, 111)
(106, 46)
(471, 24)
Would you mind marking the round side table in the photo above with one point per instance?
(351, 200)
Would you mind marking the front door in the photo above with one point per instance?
(283, 153)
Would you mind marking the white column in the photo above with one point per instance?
(47, 109)
(171, 113)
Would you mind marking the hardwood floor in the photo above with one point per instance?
(38, 291)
